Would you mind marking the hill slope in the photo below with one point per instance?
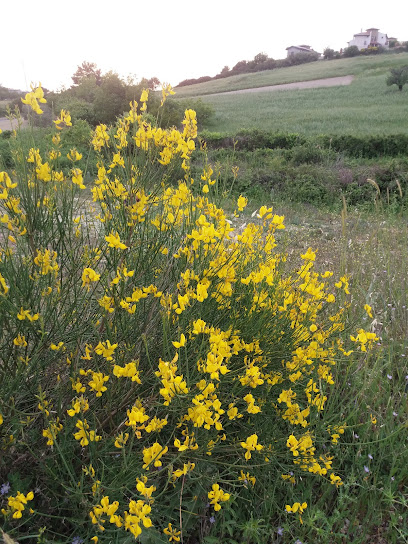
(365, 107)
(305, 72)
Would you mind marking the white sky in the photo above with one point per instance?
(173, 39)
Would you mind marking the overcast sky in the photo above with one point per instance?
(173, 39)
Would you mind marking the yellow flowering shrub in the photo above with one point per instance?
(147, 337)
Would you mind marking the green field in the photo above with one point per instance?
(365, 107)
(315, 70)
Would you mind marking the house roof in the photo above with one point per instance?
(302, 48)
(362, 34)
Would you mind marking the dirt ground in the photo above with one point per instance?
(5, 123)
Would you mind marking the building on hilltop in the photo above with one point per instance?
(370, 38)
(296, 49)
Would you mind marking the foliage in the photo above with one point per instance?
(99, 98)
(398, 77)
(351, 51)
(261, 62)
(373, 50)
(389, 145)
(87, 70)
(311, 173)
(328, 53)
(159, 367)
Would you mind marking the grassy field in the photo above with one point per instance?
(316, 70)
(365, 107)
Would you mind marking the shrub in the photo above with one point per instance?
(351, 51)
(158, 367)
(398, 77)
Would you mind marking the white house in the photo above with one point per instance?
(295, 49)
(370, 38)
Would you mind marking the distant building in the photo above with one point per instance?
(296, 49)
(370, 38)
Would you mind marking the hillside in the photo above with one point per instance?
(365, 107)
(315, 70)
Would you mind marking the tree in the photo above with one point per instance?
(240, 67)
(151, 83)
(351, 51)
(328, 53)
(260, 58)
(398, 77)
(87, 70)
(110, 99)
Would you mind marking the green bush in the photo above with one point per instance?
(351, 51)
(5, 151)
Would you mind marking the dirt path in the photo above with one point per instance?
(5, 123)
(313, 84)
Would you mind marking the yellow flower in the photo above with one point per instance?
(153, 455)
(77, 178)
(130, 370)
(335, 480)
(4, 285)
(136, 415)
(43, 172)
(64, 119)
(78, 405)
(198, 326)
(217, 495)
(145, 95)
(46, 260)
(297, 507)
(242, 202)
(173, 534)
(74, 156)
(143, 490)
(106, 349)
(181, 343)
(26, 314)
(251, 444)
(97, 383)
(32, 99)
(89, 275)
(17, 503)
(310, 255)
(121, 440)
(368, 309)
(247, 478)
(114, 241)
(84, 435)
(100, 137)
(52, 431)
